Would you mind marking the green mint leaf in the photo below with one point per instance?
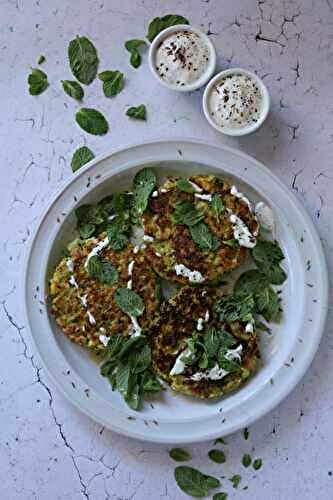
(102, 270)
(92, 121)
(220, 496)
(123, 375)
(268, 255)
(159, 24)
(121, 202)
(137, 112)
(246, 433)
(133, 48)
(233, 243)
(73, 89)
(262, 327)
(186, 213)
(234, 308)
(80, 157)
(192, 482)
(250, 282)
(226, 364)
(185, 185)
(89, 214)
(86, 230)
(217, 456)
(144, 183)
(217, 204)
(220, 440)
(113, 82)
(151, 383)
(179, 454)
(246, 460)
(235, 480)
(211, 342)
(83, 59)
(118, 231)
(257, 464)
(129, 302)
(37, 81)
(134, 395)
(201, 234)
(41, 59)
(268, 304)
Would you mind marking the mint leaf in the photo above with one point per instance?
(179, 454)
(113, 82)
(217, 204)
(41, 59)
(129, 302)
(92, 121)
(73, 89)
(268, 255)
(133, 48)
(246, 460)
(217, 456)
(37, 81)
(80, 157)
(234, 308)
(83, 59)
(102, 270)
(235, 480)
(118, 231)
(203, 237)
(192, 482)
(186, 213)
(185, 185)
(144, 183)
(159, 24)
(137, 112)
(257, 464)
(220, 496)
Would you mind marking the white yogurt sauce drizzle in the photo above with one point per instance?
(179, 365)
(70, 265)
(182, 58)
(91, 318)
(136, 328)
(201, 321)
(234, 191)
(205, 197)
(264, 215)
(146, 237)
(72, 281)
(96, 250)
(84, 300)
(214, 373)
(242, 233)
(192, 276)
(235, 102)
(104, 340)
(197, 188)
(154, 194)
(249, 328)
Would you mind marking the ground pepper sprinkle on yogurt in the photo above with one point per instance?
(235, 101)
(182, 58)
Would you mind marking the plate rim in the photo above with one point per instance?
(320, 325)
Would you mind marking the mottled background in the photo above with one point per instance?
(47, 448)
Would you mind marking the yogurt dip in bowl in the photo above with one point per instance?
(182, 58)
(236, 102)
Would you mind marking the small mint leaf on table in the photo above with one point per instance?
(41, 59)
(113, 82)
(73, 89)
(257, 464)
(235, 480)
(83, 59)
(246, 460)
(159, 24)
(92, 121)
(179, 454)
(37, 81)
(133, 48)
(80, 157)
(217, 456)
(137, 112)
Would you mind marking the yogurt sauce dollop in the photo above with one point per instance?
(182, 58)
(235, 101)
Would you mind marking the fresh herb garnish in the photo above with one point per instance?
(137, 112)
(193, 482)
(185, 185)
(186, 213)
(268, 255)
(118, 231)
(257, 464)
(159, 24)
(102, 270)
(83, 59)
(41, 59)
(203, 237)
(179, 454)
(234, 308)
(246, 460)
(235, 480)
(217, 204)
(128, 368)
(220, 496)
(73, 89)
(220, 440)
(129, 302)
(113, 82)
(80, 157)
(92, 121)
(133, 48)
(37, 81)
(91, 219)
(217, 456)
(143, 185)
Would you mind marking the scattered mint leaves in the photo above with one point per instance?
(118, 231)
(192, 482)
(186, 213)
(129, 302)
(217, 204)
(73, 89)
(234, 308)
(102, 270)
(159, 24)
(268, 255)
(179, 454)
(235, 480)
(217, 456)
(137, 112)
(37, 81)
(133, 48)
(203, 237)
(143, 185)
(113, 82)
(246, 460)
(91, 219)
(80, 157)
(92, 121)
(41, 59)
(257, 464)
(83, 59)
(185, 185)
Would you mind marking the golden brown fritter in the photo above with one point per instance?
(178, 321)
(173, 243)
(85, 308)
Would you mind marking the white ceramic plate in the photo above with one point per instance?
(286, 355)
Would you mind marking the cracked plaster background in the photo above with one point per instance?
(47, 448)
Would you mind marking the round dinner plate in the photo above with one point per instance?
(286, 353)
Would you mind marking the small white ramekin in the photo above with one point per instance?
(204, 77)
(231, 130)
